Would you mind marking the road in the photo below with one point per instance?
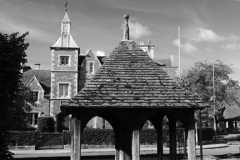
(226, 153)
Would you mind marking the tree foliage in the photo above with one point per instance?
(13, 56)
(199, 80)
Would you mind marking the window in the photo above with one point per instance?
(90, 69)
(63, 90)
(64, 60)
(32, 118)
(35, 117)
(35, 96)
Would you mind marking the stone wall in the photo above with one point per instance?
(84, 75)
(73, 60)
(42, 105)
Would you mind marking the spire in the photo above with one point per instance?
(126, 28)
(66, 18)
(65, 39)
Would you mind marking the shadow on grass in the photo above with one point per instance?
(228, 156)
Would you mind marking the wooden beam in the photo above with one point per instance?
(72, 138)
(172, 136)
(77, 139)
(191, 137)
(160, 140)
(135, 145)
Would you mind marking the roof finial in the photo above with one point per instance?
(66, 5)
(126, 28)
(149, 42)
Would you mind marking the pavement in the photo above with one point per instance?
(101, 150)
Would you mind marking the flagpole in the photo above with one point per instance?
(179, 52)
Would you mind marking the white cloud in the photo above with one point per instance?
(186, 47)
(231, 46)
(176, 42)
(100, 53)
(203, 35)
(136, 29)
(232, 37)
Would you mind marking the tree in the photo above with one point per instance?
(12, 57)
(199, 80)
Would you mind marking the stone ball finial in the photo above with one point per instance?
(126, 16)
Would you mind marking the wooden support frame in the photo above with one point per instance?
(160, 140)
(172, 136)
(135, 145)
(191, 137)
(76, 150)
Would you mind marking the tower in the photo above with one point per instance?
(64, 67)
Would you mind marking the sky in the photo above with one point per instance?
(209, 29)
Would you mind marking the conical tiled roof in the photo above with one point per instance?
(129, 78)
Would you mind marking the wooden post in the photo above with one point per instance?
(117, 154)
(117, 145)
(77, 138)
(135, 145)
(72, 139)
(200, 135)
(185, 143)
(191, 137)
(160, 141)
(121, 155)
(172, 136)
(117, 132)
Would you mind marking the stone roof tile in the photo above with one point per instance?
(43, 76)
(129, 78)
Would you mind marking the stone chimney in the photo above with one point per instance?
(148, 48)
(37, 66)
(171, 59)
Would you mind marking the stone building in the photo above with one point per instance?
(229, 117)
(40, 83)
(70, 71)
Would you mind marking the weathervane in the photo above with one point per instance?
(66, 5)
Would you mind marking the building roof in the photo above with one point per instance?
(43, 76)
(232, 111)
(71, 43)
(129, 78)
(166, 61)
(67, 38)
(102, 59)
(66, 18)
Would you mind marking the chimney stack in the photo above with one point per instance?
(37, 66)
(171, 59)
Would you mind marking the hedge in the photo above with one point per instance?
(20, 138)
(45, 124)
(106, 137)
(94, 137)
(207, 134)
